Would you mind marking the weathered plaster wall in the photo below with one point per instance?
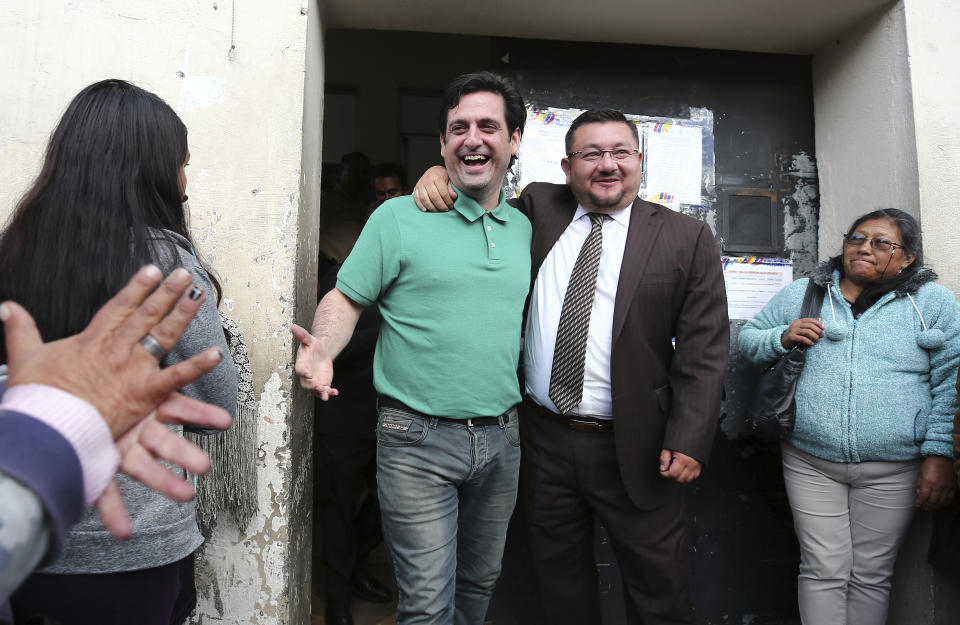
(235, 72)
(866, 153)
(934, 50)
(300, 521)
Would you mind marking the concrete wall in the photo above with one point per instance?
(866, 153)
(300, 522)
(235, 72)
(934, 51)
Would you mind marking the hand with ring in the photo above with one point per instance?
(108, 366)
(153, 347)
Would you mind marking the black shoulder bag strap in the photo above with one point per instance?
(812, 300)
(773, 408)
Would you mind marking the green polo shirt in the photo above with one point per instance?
(451, 288)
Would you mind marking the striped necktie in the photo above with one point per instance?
(570, 351)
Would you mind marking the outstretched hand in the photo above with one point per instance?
(433, 192)
(313, 366)
(106, 366)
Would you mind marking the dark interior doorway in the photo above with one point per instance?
(741, 555)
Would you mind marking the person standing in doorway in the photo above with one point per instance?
(451, 290)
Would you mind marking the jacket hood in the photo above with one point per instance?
(823, 275)
(928, 338)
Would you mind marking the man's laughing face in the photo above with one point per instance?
(477, 146)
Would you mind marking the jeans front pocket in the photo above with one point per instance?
(396, 428)
(511, 429)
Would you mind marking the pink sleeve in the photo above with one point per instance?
(78, 422)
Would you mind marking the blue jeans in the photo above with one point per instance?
(447, 491)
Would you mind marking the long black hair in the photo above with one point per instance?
(107, 190)
(912, 240)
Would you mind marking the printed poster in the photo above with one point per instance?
(752, 281)
(674, 156)
(542, 145)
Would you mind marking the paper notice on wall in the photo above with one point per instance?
(752, 281)
(674, 162)
(542, 146)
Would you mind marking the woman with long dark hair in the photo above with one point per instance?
(874, 411)
(109, 199)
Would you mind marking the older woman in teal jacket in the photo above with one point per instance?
(875, 406)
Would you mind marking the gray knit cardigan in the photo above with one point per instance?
(164, 530)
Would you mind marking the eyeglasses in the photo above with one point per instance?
(879, 244)
(593, 155)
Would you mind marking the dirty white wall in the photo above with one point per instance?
(934, 54)
(866, 153)
(235, 72)
(887, 131)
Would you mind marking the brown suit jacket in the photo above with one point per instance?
(671, 285)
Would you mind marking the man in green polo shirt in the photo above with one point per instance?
(451, 289)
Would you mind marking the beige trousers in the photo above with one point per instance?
(850, 520)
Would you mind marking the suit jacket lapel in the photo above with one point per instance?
(644, 229)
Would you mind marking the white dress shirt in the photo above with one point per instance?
(546, 303)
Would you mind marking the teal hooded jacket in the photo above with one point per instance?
(877, 388)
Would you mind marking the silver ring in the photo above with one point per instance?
(153, 348)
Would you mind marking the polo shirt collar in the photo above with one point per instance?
(472, 211)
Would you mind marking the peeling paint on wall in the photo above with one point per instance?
(801, 209)
(240, 574)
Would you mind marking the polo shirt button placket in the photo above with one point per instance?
(493, 254)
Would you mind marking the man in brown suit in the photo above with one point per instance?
(639, 419)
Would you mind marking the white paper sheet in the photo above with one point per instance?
(752, 281)
(542, 145)
(674, 162)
